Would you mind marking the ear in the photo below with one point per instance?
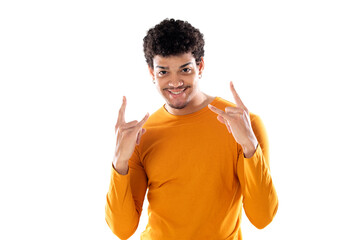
(151, 71)
(201, 66)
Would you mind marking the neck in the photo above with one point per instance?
(199, 102)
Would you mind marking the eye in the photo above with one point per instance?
(186, 70)
(162, 73)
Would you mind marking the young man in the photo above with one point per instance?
(202, 158)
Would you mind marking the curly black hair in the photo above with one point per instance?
(172, 37)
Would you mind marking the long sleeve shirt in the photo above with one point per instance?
(197, 177)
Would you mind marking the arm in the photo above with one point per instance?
(125, 198)
(260, 198)
(128, 182)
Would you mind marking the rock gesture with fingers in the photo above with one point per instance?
(128, 134)
(237, 121)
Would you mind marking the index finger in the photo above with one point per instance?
(121, 117)
(238, 101)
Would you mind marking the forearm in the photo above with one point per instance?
(260, 198)
(121, 213)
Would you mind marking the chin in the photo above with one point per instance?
(177, 103)
(178, 106)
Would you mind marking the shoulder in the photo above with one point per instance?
(254, 118)
(155, 118)
(222, 103)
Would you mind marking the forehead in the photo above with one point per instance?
(173, 60)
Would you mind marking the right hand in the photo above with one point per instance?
(128, 134)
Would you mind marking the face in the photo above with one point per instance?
(176, 79)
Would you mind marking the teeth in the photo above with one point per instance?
(176, 93)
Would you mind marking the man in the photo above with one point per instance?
(201, 158)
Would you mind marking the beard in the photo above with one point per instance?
(178, 106)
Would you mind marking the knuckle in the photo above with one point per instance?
(241, 110)
(122, 127)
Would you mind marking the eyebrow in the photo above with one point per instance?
(179, 67)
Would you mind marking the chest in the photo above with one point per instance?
(190, 155)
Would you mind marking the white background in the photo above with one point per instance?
(65, 65)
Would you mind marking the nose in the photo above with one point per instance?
(175, 83)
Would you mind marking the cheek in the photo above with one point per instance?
(190, 79)
(160, 84)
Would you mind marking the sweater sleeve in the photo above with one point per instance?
(260, 198)
(125, 198)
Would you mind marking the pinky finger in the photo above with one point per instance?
(138, 138)
(141, 132)
(221, 119)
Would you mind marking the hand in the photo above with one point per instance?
(128, 134)
(237, 121)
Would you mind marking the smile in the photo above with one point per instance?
(177, 91)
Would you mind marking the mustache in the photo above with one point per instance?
(178, 88)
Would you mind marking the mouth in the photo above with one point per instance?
(177, 92)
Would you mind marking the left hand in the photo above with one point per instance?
(237, 121)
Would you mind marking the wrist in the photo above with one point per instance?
(118, 161)
(249, 149)
(121, 167)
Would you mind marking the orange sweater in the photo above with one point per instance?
(198, 180)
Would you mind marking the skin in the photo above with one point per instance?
(128, 134)
(180, 74)
(237, 121)
(174, 73)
